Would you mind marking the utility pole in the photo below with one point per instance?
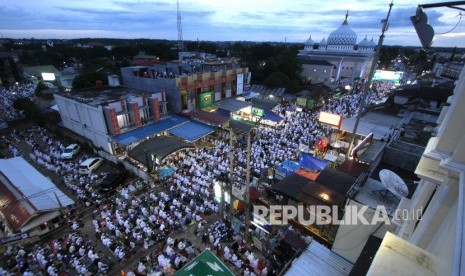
(179, 21)
(366, 91)
(247, 186)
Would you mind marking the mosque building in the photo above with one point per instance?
(339, 60)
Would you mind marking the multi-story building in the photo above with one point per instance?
(101, 113)
(190, 84)
(430, 241)
(347, 59)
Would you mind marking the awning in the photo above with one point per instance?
(148, 130)
(310, 162)
(291, 185)
(319, 260)
(159, 146)
(211, 118)
(205, 264)
(191, 131)
(271, 116)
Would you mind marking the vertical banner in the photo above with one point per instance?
(240, 84)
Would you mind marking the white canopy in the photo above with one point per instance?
(33, 185)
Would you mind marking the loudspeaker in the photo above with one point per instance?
(424, 31)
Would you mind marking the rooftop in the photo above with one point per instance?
(101, 96)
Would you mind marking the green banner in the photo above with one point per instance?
(301, 102)
(205, 100)
(258, 112)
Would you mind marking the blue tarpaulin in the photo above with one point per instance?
(148, 130)
(191, 131)
(165, 172)
(270, 115)
(287, 168)
(291, 165)
(310, 162)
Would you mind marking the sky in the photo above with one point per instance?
(219, 20)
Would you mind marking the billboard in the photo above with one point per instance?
(330, 119)
(258, 112)
(205, 100)
(301, 101)
(240, 84)
(48, 76)
(394, 76)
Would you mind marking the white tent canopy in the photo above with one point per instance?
(33, 185)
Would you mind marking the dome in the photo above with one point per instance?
(309, 42)
(323, 42)
(343, 35)
(365, 43)
(372, 43)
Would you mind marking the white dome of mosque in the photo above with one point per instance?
(365, 43)
(343, 35)
(309, 42)
(372, 43)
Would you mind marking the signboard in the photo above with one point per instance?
(13, 238)
(240, 84)
(238, 191)
(301, 102)
(330, 119)
(257, 243)
(304, 148)
(205, 100)
(48, 76)
(394, 76)
(258, 112)
(279, 175)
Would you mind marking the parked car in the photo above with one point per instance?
(70, 151)
(90, 165)
(111, 181)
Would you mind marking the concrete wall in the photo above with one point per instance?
(403, 155)
(85, 120)
(154, 85)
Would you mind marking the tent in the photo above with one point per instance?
(310, 162)
(286, 169)
(204, 264)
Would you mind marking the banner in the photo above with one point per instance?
(13, 238)
(238, 191)
(330, 119)
(240, 84)
(206, 99)
(301, 102)
(258, 112)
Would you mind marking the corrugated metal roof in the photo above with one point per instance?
(33, 185)
(191, 131)
(233, 105)
(319, 260)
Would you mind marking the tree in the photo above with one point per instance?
(30, 109)
(88, 80)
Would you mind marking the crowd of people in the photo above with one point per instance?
(143, 217)
(58, 257)
(8, 97)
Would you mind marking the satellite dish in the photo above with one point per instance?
(393, 183)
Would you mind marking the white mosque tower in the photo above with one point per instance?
(339, 60)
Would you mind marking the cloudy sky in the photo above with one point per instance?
(220, 20)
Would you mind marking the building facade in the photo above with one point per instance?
(101, 113)
(350, 60)
(189, 84)
(433, 244)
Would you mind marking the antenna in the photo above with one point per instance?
(180, 40)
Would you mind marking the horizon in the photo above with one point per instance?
(222, 21)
